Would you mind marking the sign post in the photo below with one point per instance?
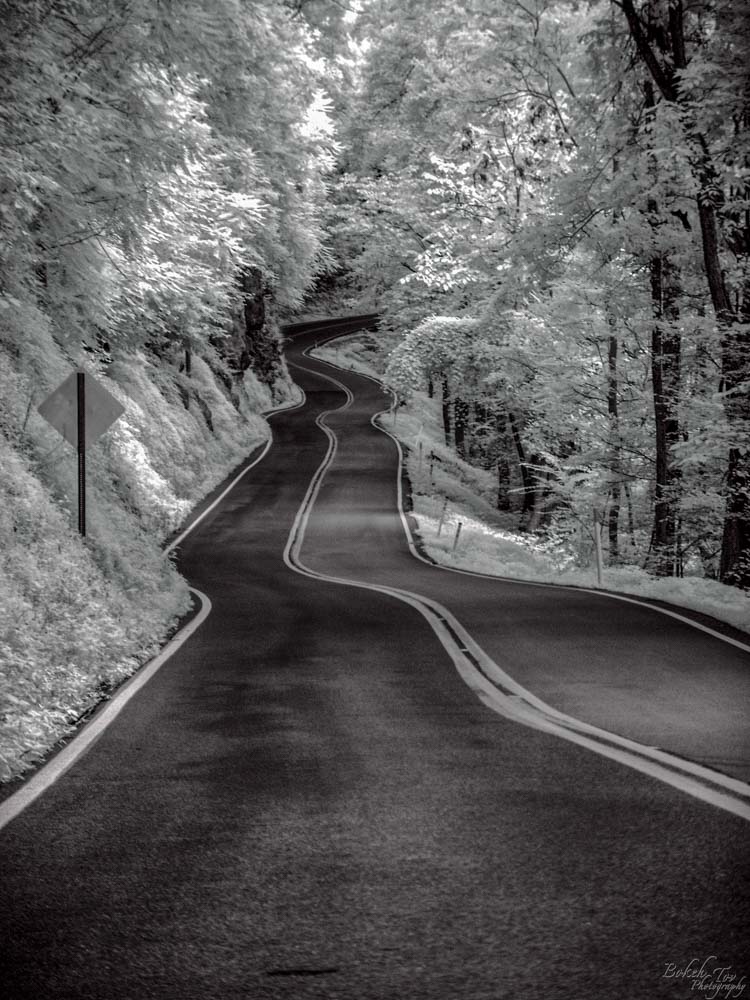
(81, 447)
(81, 409)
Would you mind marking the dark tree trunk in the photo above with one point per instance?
(527, 477)
(665, 376)
(665, 382)
(734, 564)
(503, 463)
(460, 424)
(446, 408)
(613, 518)
(503, 482)
(477, 450)
(613, 523)
(735, 549)
(631, 519)
(613, 410)
(253, 341)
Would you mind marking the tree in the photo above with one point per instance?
(149, 156)
(692, 48)
(514, 166)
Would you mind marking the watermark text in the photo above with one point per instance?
(708, 979)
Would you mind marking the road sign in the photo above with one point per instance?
(81, 409)
(60, 409)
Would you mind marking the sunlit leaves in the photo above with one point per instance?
(509, 166)
(149, 154)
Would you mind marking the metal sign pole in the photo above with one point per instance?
(81, 387)
(81, 409)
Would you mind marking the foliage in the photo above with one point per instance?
(148, 156)
(152, 156)
(554, 174)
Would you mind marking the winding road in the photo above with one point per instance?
(367, 778)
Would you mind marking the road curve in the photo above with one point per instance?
(307, 800)
(618, 664)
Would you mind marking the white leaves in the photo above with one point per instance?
(132, 131)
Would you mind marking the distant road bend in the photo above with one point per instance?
(326, 791)
(661, 681)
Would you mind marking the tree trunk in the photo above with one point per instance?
(665, 380)
(735, 348)
(477, 451)
(503, 464)
(734, 563)
(613, 517)
(460, 424)
(665, 377)
(631, 517)
(527, 477)
(446, 408)
(253, 343)
(537, 516)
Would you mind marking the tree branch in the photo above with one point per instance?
(660, 77)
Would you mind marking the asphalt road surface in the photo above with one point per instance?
(309, 799)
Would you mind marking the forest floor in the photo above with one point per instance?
(448, 492)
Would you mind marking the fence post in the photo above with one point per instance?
(442, 516)
(458, 535)
(598, 541)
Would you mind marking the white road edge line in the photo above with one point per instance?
(487, 679)
(48, 773)
(745, 647)
(509, 579)
(90, 733)
(237, 478)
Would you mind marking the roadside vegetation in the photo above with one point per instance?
(546, 202)
(162, 178)
(458, 523)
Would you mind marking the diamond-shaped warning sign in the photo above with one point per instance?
(60, 409)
